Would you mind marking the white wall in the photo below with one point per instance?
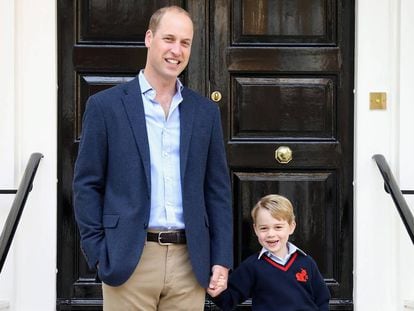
(406, 142)
(406, 95)
(7, 124)
(28, 123)
(383, 251)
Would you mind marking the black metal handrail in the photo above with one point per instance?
(8, 191)
(16, 210)
(392, 188)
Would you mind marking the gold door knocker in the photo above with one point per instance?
(283, 154)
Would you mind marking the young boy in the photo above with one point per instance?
(281, 276)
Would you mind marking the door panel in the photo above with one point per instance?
(113, 22)
(313, 196)
(284, 69)
(295, 21)
(292, 108)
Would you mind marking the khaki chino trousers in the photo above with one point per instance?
(163, 280)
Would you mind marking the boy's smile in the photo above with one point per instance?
(273, 234)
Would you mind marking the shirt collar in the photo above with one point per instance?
(291, 250)
(148, 90)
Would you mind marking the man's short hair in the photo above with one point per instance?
(157, 16)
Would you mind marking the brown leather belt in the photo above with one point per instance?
(167, 237)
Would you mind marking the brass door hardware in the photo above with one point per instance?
(283, 154)
(215, 96)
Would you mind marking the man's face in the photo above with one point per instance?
(169, 47)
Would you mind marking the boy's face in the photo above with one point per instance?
(272, 233)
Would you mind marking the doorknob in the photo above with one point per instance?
(215, 96)
(283, 154)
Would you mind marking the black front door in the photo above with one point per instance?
(284, 70)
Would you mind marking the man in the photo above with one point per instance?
(152, 195)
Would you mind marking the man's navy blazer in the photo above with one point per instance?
(112, 181)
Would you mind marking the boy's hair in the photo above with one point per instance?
(278, 206)
(157, 16)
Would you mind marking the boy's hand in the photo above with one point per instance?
(221, 285)
(218, 281)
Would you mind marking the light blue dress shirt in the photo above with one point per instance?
(282, 261)
(164, 144)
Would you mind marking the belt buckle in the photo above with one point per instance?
(159, 239)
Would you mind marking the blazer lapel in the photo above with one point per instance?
(134, 108)
(187, 110)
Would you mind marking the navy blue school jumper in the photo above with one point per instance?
(297, 285)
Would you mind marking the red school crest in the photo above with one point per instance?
(302, 276)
